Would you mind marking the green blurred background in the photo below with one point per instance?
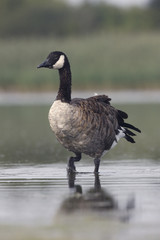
(108, 46)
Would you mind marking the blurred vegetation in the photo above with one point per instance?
(108, 47)
(58, 18)
(97, 62)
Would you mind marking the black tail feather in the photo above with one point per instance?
(129, 132)
(129, 138)
(123, 114)
(127, 125)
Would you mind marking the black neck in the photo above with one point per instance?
(64, 93)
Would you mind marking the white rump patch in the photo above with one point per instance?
(60, 63)
(120, 135)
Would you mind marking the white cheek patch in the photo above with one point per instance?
(60, 63)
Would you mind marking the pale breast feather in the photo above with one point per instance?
(61, 116)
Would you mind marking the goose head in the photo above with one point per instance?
(55, 60)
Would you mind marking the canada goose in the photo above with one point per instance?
(90, 126)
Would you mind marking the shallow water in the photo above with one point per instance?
(123, 203)
(38, 200)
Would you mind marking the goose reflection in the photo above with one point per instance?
(95, 199)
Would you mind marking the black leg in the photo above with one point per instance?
(96, 163)
(71, 179)
(71, 166)
(97, 183)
